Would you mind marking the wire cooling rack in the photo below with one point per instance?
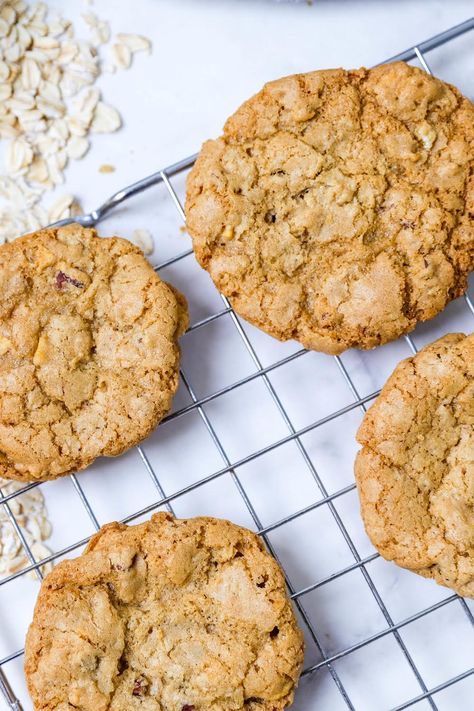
(373, 642)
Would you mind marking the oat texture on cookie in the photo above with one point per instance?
(88, 350)
(415, 471)
(169, 615)
(337, 207)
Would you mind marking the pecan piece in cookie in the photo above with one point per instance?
(62, 278)
(140, 686)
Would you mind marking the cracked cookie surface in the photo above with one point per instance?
(88, 350)
(169, 615)
(337, 207)
(415, 472)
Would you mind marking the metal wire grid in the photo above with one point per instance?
(294, 435)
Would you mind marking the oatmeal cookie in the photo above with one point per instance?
(415, 472)
(337, 208)
(88, 350)
(169, 615)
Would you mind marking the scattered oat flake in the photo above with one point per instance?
(77, 146)
(31, 515)
(135, 43)
(66, 206)
(19, 155)
(107, 168)
(75, 209)
(100, 29)
(121, 56)
(106, 119)
(49, 104)
(38, 172)
(101, 34)
(91, 19)
(143, 239)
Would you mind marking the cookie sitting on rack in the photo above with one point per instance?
(88, 350)
(169, 615)
(415, 472)
(337, 207)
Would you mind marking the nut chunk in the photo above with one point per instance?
(88, 350)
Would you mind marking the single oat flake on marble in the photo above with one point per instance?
(143, 239)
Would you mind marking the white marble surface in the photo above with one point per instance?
(208, 56)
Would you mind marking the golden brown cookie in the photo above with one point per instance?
(88, 350)
(169, 615)
(337, 207)
(415, 472)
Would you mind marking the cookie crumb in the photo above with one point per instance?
(107, 168)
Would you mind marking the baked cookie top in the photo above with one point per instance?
(337, 207)
(88, 350)
(169, 615)
(415, 472)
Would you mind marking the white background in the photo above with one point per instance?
(208, 56)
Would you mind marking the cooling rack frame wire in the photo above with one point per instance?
(230, 468)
